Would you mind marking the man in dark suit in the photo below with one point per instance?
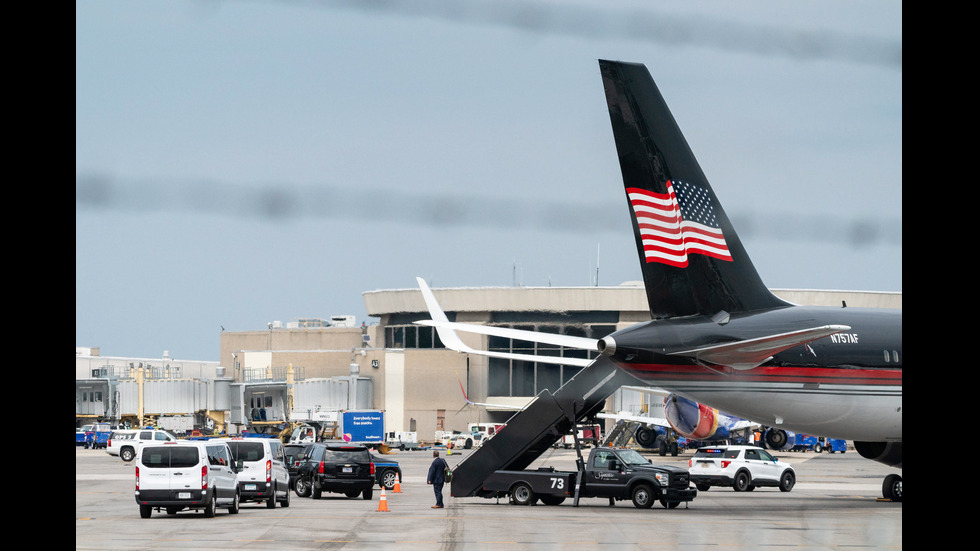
(437, 477)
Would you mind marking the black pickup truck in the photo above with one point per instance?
(614, 473)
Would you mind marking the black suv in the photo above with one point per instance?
(339, 468)
(294, 458)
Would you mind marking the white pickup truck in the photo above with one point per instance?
(125, 443)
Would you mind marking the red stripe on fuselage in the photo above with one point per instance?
(768, 374)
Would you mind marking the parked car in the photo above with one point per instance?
(125, 443)
(339, 468)
(744, 468)
(387, 471)
(264, 477)
(294, 457)
(186, 475)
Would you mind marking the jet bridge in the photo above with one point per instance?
(533, 430)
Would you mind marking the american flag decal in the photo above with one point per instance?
(674, 225)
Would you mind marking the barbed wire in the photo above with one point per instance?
(646, 25)
(283, 202)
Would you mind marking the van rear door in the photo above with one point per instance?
(173, 468)
(252, 454)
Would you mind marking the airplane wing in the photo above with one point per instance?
(744, 354)
(750, 353)
(447, 334)
(646, 420)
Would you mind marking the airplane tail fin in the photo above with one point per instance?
(692, 260)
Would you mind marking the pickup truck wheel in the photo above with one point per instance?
(742, 482)
(522, 494)
(127, 454)
(702, 487)
(145, 511)
(669, 504)
(642, 496)
(302, 487)
(787, 481)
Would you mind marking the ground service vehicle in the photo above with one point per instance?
(100, 436)
(402, 440)
(743, 468)
(186, 475)
(468, 441)
(614, 473)
(819, 444)
(95, 435)
(264, 477)
(339, 468)
(83, 435)
(830, 445)
(487, 429)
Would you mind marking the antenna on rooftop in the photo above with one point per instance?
(596, 264)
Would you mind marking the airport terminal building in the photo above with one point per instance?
(306, 368)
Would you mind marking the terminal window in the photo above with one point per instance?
(412, 336)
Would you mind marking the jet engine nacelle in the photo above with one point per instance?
(779, 439)
(889, 453)
(694, 420)
(646, 436)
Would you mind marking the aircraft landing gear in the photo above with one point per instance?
(891, 488)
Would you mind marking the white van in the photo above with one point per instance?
(264, 477)
(186, 475)
(125, 443)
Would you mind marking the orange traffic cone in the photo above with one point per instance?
(398, 485)
(383, 504)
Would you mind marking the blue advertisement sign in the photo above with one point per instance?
(363, 426)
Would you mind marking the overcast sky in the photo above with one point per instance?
(242, 162)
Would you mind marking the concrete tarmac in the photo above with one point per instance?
(835, 503)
